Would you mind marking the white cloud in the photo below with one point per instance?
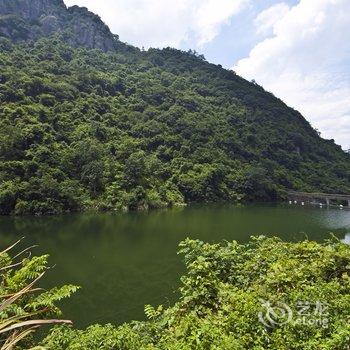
(160, 23)
(269, 17)
(306, 62)
(211, 15)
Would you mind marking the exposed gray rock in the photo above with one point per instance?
(50, 24)
(32, 19)
(31, 9)
(89, 30)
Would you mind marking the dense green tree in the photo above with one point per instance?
(82, 129)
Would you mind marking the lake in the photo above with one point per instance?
(126, 260)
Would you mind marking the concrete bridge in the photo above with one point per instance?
(320, 198)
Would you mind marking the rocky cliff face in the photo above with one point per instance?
(31, 19)
(31, 9)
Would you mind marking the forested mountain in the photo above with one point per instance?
(85, 124)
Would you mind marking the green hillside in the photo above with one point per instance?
(128, 129)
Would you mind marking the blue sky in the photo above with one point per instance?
(297, 49)
(237, 37)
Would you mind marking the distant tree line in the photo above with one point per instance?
(81, 129)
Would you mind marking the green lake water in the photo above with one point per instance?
(123, 261)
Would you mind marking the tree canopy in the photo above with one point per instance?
(82, 129)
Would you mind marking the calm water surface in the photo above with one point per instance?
(124, 261)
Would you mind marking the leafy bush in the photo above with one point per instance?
(221, 302)
(23, 307)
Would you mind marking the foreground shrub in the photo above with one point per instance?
(23, 307)
(266, 294)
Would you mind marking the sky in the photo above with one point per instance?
(297, 49)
